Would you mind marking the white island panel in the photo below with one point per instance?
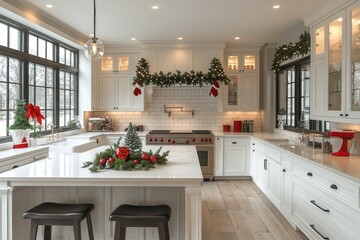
(62, 179)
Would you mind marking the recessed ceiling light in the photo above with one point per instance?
(237, 38)
(133, 39)
(155, 7)
(180, 38)
(339, 19)
(276, 6)
(91, 35)
(49, 5)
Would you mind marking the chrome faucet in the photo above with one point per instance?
(51, 125)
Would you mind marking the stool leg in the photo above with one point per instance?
(47, 232)
(77, 229)
(120, 232)
(90, 229)
(33, 230)
(163, 230)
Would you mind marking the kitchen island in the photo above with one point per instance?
(61, 178)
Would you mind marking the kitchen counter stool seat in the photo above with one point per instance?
(59, 214)
(141, 216)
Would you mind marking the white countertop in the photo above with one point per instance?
(89, 135)
(12, 153)
(182, 169)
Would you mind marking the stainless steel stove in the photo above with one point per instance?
(202, 139)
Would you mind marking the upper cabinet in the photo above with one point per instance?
(335, 65)
(242, 68)
(114, 89)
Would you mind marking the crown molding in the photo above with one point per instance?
(39, 17)
(323, 10)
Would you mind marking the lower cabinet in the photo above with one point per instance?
(218, 156)
(263, 173)
(236, 157)
(275, 180)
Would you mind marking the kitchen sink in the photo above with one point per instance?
(292, 147)
(72, 145)
(278, 140)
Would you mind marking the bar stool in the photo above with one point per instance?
(60, 214)
(141, 216)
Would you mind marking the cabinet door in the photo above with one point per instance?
(219, 153)
(317, 89)
(236, 157)
(287, 200)
(253, 162)
(263, 173)
(249, 92)
(274, 181)
(107, 92)
(124, 90)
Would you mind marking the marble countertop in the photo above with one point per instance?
(11, 153)
(348, 167)
(90, 135)
(182, 169)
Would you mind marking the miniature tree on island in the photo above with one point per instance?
(132, 139)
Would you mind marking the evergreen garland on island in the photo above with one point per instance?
(161, 79)
(128, 157)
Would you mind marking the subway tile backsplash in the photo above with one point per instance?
(207, 114)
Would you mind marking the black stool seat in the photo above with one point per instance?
(141, 216)
(61, 214)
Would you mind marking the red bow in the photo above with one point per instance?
(34, 112)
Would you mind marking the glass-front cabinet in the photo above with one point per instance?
(115, 63)
(335, 66)
(244, 62)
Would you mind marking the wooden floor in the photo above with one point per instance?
(237, 209)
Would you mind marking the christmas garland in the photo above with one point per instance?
(215, 75)
(128, 157)
(285, 52)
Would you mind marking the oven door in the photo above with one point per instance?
(206, 159)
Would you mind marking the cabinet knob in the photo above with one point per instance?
(309, 174)
(341, 115)
(234, 142)
(15, 166)
(333, 186)
(284, 170)
(253, 150)
(346, 115)
(253, 144)
(265, 164)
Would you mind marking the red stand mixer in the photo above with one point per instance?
(345, 136)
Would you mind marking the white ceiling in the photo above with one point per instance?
(254, 21)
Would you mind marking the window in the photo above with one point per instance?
(41, 90)
(67, 97)
(10, 90)
(293, 93)
(41, 47)
(45, 75)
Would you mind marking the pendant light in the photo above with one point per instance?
(94, 49)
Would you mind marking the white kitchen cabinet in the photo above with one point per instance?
(263, 173)
(219, 157)
(116, 93)
(335, 75)
(253, 160)
(287, 189)
(275, 181)
(119, 63)
(242, 68)
(242, 93)
(236, 157)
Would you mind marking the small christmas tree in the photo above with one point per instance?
(132, 140)
(216, 72)
(20, 116)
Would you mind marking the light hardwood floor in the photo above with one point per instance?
(237, 209)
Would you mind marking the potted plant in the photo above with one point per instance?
(21, 128)
(34, 115)
(281, 117)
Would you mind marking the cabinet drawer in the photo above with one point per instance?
(287, 161)
(235, 141)
(305, 220)
(15, 164)
(342, 220)
(273, 153)
(259, 146)
(333, 184)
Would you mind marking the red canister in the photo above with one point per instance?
(226, 128)
(237, 126)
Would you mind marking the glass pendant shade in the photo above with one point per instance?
(94, 49)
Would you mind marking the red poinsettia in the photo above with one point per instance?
(34, 113)
(122, 153)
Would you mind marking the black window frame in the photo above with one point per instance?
(27, 58)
